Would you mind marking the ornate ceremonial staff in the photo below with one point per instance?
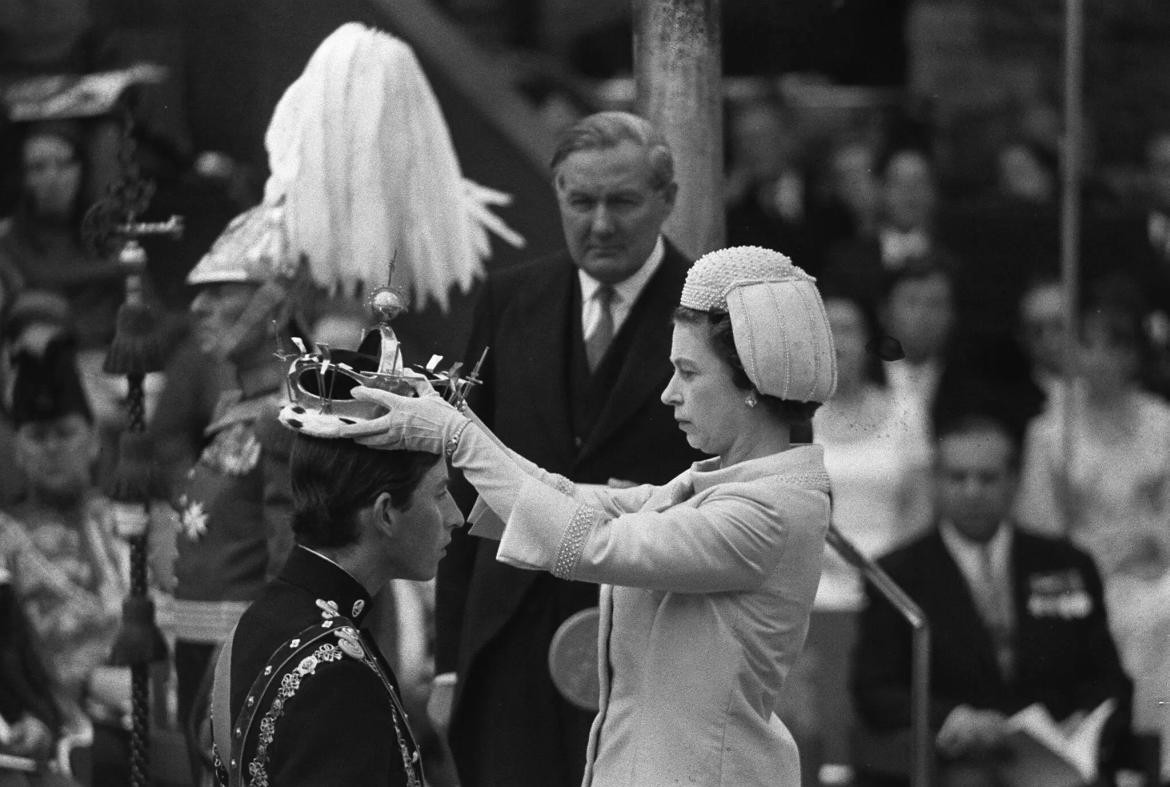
(111, 227)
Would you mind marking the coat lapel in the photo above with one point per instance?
(966, 621)
(541, 362)
(646, 368)
(546, 358)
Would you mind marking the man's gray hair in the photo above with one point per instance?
(609, 129)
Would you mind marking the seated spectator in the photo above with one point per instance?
(905, 232)
(844, 204)
(69, 571)
(987, 587)
(42, 247)
(1137, 238)
(1042, 334)
(42, 242)
(26, 697)
(1137, 241)
(876, 458)
(766, 189)
(1106, 485)
(1006, 233)
(1115, 500)
(919, 312)
(35, 317)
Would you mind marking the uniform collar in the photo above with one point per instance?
(332, 585)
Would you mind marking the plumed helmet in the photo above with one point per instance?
(252, 248)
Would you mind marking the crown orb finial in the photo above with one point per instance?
(387, 303)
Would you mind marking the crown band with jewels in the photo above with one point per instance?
(320, 382)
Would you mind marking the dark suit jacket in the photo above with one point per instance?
(339, 725)
(1066, 663)
(495, 622)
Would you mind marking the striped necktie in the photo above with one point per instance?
(599, 339)
(993, 597)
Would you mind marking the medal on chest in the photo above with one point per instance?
(233, 451)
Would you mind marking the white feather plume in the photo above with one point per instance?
(362, 161)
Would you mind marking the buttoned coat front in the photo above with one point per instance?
(494, 624)
(709, 582)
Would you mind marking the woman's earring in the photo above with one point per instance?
(750, 400)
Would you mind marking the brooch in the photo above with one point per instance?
(192, 518)
(350, 643)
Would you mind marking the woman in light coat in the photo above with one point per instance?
(708, 581)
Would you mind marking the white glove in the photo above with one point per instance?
(425, 423)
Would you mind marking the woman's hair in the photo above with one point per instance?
(875, 372)
(24, 217)
(334, 480)
(1116, 304)
(604, 130)
(723, 342)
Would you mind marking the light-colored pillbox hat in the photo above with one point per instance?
(778, 321)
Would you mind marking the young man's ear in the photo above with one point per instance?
(385, 516)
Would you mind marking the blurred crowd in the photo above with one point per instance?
(924, 271)
(932, 281)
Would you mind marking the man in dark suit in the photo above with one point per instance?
(1015, 618)
(302, 694)
(905, 231)
(579, 356)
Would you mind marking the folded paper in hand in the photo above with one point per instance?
(1043, 754)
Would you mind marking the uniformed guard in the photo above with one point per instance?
(233, 507)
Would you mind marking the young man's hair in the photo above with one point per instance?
(334, 480)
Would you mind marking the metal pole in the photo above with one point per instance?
(921, 746)
(1070, 214)
(678, 77)
(135, 350)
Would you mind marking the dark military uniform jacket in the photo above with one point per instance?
(1065, 657)
(312, 700)
(233, 512)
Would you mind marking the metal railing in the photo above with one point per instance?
(921, 749)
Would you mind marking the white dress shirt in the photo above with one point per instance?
(969, 554)
(625, 292)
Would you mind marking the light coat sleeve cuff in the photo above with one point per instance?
(547, 530)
